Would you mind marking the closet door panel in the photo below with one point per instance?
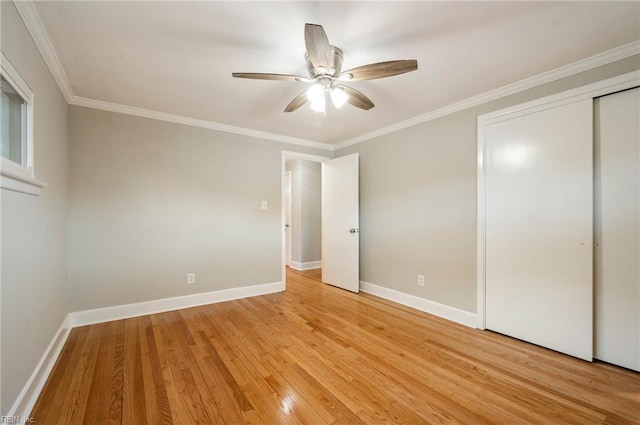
(539, 228)
(617, 229)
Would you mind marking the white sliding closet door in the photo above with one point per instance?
(539, 227)
(617, 229)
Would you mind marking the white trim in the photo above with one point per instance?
(283, 163)
(604, 58)
(14, 176)
(589, 91)
(27, 398)
(286, 209)
(305, 156)
(17, 178)
(24, 91)
(446, 312)
(16, 80)
(481, 229)
(108, 314)
(306, 266)
(31, 19)
(26, 186)
(38, 32)
(34, 25)
(179, 119)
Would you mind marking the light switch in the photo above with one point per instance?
(264, 205)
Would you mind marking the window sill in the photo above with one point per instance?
(19, 179)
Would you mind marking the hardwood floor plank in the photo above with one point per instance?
(61, 376)
(193, 397)
(229, 398)
(74, 406)
(117, 380)
(331, 400)
(315, 354)
(134, 396)
(154, 378)
(97, 411)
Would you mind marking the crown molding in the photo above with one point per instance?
(604, 58)
(32, 21)
(29, 15)
(193, 122)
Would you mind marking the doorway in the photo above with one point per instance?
(335, 211)
(305, 220)
(301, 211)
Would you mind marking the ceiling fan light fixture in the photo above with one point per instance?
(324, 64)
(339, 97)
(316, 93)
(319, 105)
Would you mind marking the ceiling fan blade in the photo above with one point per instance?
(318, 47)
(357, 99)
(264, 76)
(297, 102)
(379, 70)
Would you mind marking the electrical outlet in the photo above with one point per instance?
(420, 280)
(191, 278)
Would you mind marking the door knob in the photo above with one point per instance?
(352, 230)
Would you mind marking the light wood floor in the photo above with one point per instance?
(319, 355)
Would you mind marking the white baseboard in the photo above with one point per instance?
(305, 266)
(108, 314)
(27, 398)
(446, 312)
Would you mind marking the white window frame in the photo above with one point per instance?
(14, 176)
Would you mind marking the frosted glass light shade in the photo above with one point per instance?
(315, 94)
(319, 105)
(339, 97)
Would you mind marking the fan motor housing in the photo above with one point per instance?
(335, 65)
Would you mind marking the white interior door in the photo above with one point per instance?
(539, 226)
(617, 229)
(287, 217)
(340, 217)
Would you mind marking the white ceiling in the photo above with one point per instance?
(177, 57)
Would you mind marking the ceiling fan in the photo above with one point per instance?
(324, 63)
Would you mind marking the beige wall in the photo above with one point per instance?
(34, 228)
(306, 219)
(311, 211)
(151, 201)
(418, 199)
(296, 218)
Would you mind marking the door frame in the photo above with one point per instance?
(284, 157)
(287, 211)
(589, 91)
